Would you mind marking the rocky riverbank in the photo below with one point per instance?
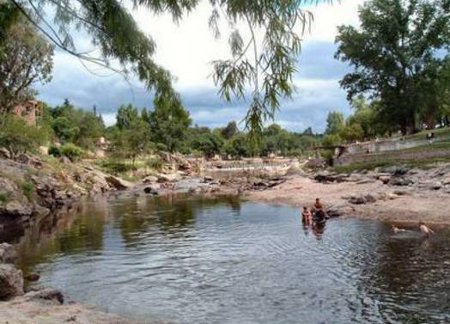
(33, 187)
(396, 194)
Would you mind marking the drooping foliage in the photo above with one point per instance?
(261, 66)
(25, 58)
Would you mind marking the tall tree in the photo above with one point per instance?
(230, 130)
(261, 65)
(335, 122)
(25, 58)
(169, 122)
(395, 55)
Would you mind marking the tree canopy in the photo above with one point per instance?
(259, 70)
(25, 58)
(398, 55)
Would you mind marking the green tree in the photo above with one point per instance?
(395, 56)
(230, 130)
(169, 122)
(209, 144)
(265, 59)
(335, 122)
(127, 115)
(25, 58)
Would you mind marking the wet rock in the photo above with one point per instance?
(151, 191)
(46, 294)
(117, 183)
(33, 277)
(11, 282)
(7, 253)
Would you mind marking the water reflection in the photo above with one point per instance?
(192, 260)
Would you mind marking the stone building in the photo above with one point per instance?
(30, 111)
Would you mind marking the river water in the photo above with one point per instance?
(189, 260)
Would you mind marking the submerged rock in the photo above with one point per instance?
(11, 282)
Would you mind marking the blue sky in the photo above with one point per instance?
(187, 49)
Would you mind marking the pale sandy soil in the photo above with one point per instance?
(396, 204)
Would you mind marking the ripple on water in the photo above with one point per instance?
(198, 261)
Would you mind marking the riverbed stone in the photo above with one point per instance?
(11, 282)
(7, 253)
(46, 295)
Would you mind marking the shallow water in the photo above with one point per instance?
(225, 261)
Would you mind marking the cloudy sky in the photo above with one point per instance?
(187, 50)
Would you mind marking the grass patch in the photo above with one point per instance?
(438, 133)
(419, 164)
(27, 189)
(4, 197)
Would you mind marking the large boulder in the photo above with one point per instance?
(11, 282)
(7, 253)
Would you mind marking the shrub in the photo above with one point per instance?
(71, 151)
(55, 151)
(18, 136)
(4, 197)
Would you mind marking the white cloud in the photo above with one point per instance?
(187, 50)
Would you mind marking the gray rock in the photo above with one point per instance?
(11, 282)
(384, 179)
(46, 294)
(4, 153)
(436, 185)
(15, 208)
(150, 179)
(162, 178)
(117, 183)
(400, 181)
(7, 253)
(396, 170)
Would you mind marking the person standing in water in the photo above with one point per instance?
(306, 216)
(425, 230)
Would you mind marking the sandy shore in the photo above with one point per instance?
(392, 203)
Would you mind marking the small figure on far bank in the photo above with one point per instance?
(425, 230)
(396, 229)
(306, 216)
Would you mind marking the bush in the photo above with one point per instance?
(71, 151)
(18, 136)
(54, 151)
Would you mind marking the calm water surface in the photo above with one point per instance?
(187, 260)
